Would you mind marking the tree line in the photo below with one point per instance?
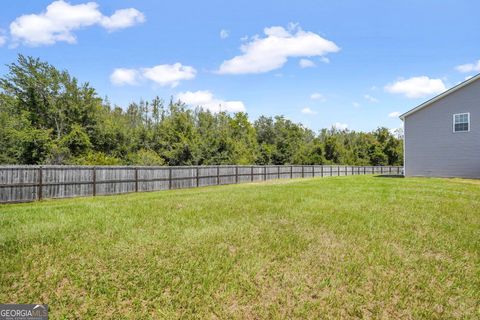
(48, 117)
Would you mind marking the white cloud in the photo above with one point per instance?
(122, 76)
(324, 60)
(317, 96)
(206, 100)
(271, 52)
(305, 63)
(224, 34)
(469, 67)
(307, 110)
(356, 104)
(340, 126)
(163, 75)
(123, 18)
(417, 87)
(370, 98)
(169, 74)
(60, 19)
(394, 114)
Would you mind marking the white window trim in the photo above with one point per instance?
(468, 119)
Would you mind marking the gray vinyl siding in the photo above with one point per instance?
(433, 149)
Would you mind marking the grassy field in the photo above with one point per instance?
(342, 247)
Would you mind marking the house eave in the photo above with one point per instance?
(440, 96)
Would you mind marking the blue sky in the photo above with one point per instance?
(350, 63)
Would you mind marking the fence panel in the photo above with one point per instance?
(19, 183)
(68, 181)
(29, 183)
(227, 174)
(114, 180)
(245, 174)
(258, 173)
(182, 177)
(208, 176)
(152, 178)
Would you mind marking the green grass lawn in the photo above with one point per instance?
(342, 247)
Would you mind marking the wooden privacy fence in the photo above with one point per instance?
(30, 183)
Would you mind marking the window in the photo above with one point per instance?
(461, 122)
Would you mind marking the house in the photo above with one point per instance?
(442, 135)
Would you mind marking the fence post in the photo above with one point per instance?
(278, 172)
(197, 175)
(251, 173)
(338, 170)
(381, 169)
(291, 172)
(364, 170)
(303, 171)
(136, 179)
(94, 181)
(265, 173)
(169, 177)
(218, 174)
(321, 170)
(236, 174)
(313, 171)
(331, 170)
(40, 183)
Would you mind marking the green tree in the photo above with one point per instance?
(144, 157)
(77, 141)
(46, 116)
(377, 157)
(332, 149)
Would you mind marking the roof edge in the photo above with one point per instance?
(440, 96)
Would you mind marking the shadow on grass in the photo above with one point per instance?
(390, 176)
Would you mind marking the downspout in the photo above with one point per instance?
(404, 150)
